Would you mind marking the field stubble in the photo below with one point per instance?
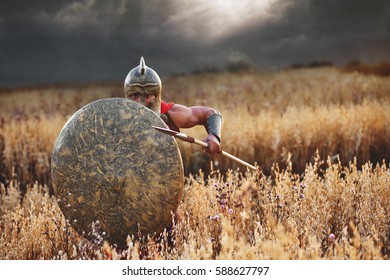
(321, 138)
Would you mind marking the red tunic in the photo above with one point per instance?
(165, 107)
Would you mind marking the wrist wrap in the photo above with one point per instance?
(214, 125)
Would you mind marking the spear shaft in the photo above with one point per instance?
(190, 139)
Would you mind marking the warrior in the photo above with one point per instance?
(100, 163)
(143, 85)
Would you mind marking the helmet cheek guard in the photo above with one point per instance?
(144, 76)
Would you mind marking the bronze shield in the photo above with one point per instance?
(113, 174)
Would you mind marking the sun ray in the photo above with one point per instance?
(217, 19)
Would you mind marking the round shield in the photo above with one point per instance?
(113, 174)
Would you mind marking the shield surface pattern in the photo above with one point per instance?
(112, 172)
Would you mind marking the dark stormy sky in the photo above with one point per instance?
(46, 41)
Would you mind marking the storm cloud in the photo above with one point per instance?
(85, 41)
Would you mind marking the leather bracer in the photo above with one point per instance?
(214, 125)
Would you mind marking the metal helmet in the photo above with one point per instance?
(143, 83)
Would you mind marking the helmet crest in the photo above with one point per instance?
(142, 66)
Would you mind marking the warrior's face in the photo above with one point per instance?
(145, 95)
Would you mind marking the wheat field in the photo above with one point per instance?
(320, 137)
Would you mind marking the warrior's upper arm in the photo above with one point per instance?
(186, 117)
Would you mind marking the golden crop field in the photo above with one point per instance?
(321, 139)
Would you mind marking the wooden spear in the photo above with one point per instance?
(190, 139)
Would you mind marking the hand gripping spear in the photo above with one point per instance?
(190, 139)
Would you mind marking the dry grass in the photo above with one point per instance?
(297, 111)
(297, 207)
(380, 69)
(342, 214)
